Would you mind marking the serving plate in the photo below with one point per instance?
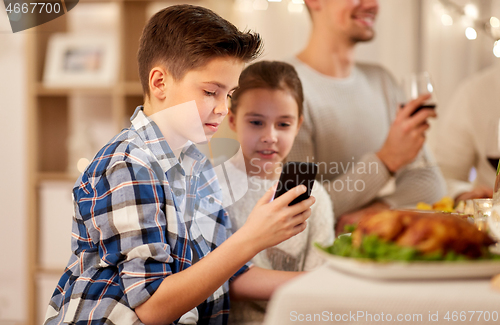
(412, 270)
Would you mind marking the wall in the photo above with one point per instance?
(13, 183)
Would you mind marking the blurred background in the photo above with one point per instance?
(56, 116)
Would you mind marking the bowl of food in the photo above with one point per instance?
(447, 204)
(404, 244)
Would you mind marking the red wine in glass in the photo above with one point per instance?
(493, 153)
(493, 162)
(417, 84)
(424, 106)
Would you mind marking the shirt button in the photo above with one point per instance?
(211, 200)
(178, 192)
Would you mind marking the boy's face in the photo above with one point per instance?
(210, 87)
(266, 124)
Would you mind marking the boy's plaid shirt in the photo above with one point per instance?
(140, 215)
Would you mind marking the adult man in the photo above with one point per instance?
(354, 127)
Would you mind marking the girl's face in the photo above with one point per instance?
(266, 124)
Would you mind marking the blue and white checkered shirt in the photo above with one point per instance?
(141, 214)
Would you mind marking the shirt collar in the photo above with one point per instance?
(191, 159)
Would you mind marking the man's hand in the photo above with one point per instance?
(270, 223)
(352, 218)
(406, 135)
(480, 192)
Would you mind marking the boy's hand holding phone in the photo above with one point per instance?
(285, 216)
(272, 222)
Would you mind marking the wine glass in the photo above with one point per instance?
(482, 210)
(492, 151)
(417, 84)
(493, 143)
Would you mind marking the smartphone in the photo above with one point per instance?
(295, 173)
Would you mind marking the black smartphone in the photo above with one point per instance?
(295, 173)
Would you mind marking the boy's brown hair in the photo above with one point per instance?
(186, 37)
(273, 75)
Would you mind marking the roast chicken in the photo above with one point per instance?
(426, 232)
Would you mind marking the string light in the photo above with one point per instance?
(494, 22)
(496, 49)
(446, 20)
(471, 11)
(470, 33)
(469, 16)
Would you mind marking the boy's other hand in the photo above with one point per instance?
(272, 222)
(406, 135)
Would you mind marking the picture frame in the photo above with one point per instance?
(75, 61)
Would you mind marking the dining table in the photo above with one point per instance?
(330, 295)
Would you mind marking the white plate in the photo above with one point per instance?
(412, 270)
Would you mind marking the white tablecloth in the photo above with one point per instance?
(327, 296)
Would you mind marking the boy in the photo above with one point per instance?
(147, 208)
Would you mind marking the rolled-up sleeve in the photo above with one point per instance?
(419, 183)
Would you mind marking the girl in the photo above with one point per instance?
(266, 114)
